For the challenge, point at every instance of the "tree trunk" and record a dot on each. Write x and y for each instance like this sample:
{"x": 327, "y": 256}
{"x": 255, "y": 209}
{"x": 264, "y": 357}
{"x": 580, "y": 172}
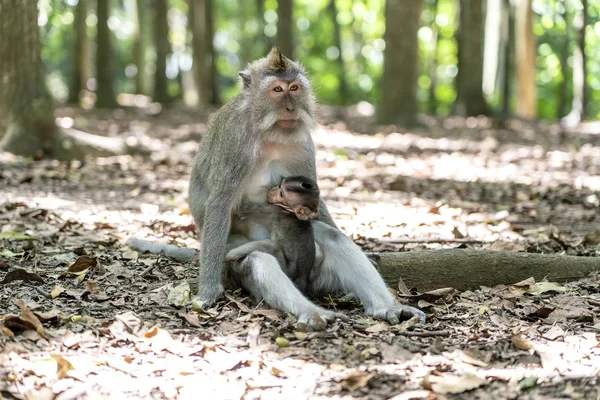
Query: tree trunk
{"x": 285, "y": 27}
{"x": 200, "y": 46}
{"x": 509, "y": 47}
{"x": 105, "y": 91}
{"x": 81, "y": 54}
{"x": 215, "y": 98}
{"x": 337, "y": 42}
{"x": 470, "y": 269}
{"x": 433, "y": 65}
{"x": 492, "y": 48}
{"x": 26, "y": 107}
{"x": 579, "y": 105}
{"x": 144, "y": 33}
{"x": 469, "y": 81}
{"x": 246, "y": 41}
{"x": 401, "y": 65}
{"x": 563, "y": 57}
{"x": 526, "y": 54}
{"x": 264, "y": 39}
{"x": 161, "y": 93}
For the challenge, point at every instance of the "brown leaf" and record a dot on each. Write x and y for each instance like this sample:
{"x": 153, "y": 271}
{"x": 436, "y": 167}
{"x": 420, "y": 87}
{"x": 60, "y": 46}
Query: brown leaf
{"x": 20, "y": 274}
{"x": 63, "y": 366}
{"x": 272, "y": 314}
{"x": 521, "y": 342}
{"x": 357, "y": 380}
{"x": 81, "y": 266}
{"x": 94, "y": 289}
{"x": 29, "y": 316}
{"x": 454, "y": 384}
{"x": 56, "y": 291}
{"x": 191, "y": 318}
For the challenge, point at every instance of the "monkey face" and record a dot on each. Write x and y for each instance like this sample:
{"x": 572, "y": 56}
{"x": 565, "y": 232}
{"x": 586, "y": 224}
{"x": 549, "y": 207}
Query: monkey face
{"x": 285, "y": 95}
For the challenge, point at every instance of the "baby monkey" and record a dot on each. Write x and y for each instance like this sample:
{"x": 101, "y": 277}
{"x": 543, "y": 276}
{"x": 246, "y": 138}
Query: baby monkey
{"x": 287, "y": 216}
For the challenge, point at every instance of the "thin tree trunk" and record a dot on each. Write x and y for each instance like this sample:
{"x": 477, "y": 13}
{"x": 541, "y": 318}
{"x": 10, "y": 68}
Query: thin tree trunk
{"x": 526, "y": 53}
{"x": 492, "y": 47}
{"x": 200, "y": 51}
{"x": 469, "y": 81}
{"x": 26, "y": 108}
{"x": 433, "y": 65}
{"x": 105, "y": 92}
{"x": 144, "y": 33}
{"x": 260, "y": 12}
{"x": 81, "y": 53}
{"x": 509, "y": 48}
{"x": 215, "y": 98}
{"x": 161, "y": 93}
{"x": 245, "y": 39}
{"x": 337, "y": 42}
{"x": 285, "y": 25}
{"x": 401, "y": 65}
{"x": 563, "y": 90}
{"x": 579, "y": 105}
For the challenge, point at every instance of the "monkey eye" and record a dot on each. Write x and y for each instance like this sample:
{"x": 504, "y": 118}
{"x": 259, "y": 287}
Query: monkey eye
{"x": 293, "y": 88}
{"x": 278, "y": 89}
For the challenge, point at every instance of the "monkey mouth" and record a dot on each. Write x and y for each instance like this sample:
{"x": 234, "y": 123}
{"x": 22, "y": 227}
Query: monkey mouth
{"x": 287, "y": 123}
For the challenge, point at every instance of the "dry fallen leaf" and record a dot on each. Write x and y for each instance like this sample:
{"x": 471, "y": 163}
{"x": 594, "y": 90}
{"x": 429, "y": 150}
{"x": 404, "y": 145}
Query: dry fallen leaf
{"x": 62, "y": 366}
{"x": 29, "y": 316}
{"x": 521, "y": 342}
{"x": 81, "y": 266}
{"x": 56, "y": 291}
{"x": 357, "y": 380}
{"x": 452, "y": 384}
{"x": 379, "y": 327}
{"x": 20, "y": 274}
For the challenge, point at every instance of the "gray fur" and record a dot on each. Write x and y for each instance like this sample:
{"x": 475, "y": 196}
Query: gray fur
{"x": 243, "y": 154}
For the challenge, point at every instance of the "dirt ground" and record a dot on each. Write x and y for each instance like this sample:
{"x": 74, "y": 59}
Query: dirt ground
{"x": 84, "y": 316}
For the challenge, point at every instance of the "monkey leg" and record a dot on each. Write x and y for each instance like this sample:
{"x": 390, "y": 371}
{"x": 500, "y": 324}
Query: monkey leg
{"x": 262, "y": 276}
{"x": 265, "y": 246}
{"x": 346, "y": 268}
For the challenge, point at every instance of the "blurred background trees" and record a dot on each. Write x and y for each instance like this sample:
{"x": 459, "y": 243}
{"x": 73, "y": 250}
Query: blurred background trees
{"x": 526, "y": 58}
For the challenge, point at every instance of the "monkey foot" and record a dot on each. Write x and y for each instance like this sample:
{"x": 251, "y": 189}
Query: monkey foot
{"x": 394, "y": 313}
{"x": 207, "y": 298}
{"x": 318, "y": 318}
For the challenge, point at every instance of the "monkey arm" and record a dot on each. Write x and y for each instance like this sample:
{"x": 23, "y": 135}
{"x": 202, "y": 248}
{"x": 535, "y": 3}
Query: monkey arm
{"x": 215, "y": 230}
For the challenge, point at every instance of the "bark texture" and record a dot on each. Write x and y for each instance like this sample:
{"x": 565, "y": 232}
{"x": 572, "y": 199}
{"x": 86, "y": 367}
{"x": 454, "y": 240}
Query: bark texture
{"x": 469, "y": 269}
{"x": 526, "y": 52}
{"x": 285, "y": 27}
{"x": 400, "y": 72}
{"x": 469, "y": 81}
{"x": 105, "y": 92}
{"x": 81, "y": 53}
{"x": 161, "y": 93}
{"x": 200, "y": 37}
{"x": 26, "y": 108}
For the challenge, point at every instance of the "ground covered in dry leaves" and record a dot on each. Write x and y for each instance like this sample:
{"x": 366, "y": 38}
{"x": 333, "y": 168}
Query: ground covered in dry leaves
{"x": 84, "y": 316}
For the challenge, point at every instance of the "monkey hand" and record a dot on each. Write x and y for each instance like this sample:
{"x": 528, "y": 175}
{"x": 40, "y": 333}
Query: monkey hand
{"x": 395, "y": 312}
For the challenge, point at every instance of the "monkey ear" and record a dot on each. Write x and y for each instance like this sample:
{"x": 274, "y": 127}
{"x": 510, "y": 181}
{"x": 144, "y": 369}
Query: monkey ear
{"x": 245, "y": 75}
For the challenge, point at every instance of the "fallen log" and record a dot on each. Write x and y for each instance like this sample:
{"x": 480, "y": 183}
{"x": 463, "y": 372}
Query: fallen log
{"x": 469, "y": 269}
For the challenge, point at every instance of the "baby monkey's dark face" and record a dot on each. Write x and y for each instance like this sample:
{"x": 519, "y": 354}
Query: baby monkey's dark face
{"x": 297, "y": 194}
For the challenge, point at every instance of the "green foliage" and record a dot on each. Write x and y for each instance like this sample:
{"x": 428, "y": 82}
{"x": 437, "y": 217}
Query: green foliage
{"x": 242, "y": 35}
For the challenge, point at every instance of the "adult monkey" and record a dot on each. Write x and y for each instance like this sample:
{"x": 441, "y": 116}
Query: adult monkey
{"x": 259, "y": 137}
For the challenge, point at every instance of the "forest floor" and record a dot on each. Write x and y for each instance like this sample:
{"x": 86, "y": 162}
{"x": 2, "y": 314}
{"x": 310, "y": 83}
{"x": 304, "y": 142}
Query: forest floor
{"x": 84, "y": 316}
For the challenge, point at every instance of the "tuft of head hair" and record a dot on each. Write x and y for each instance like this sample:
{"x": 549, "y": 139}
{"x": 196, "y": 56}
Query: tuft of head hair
{"x": 275, "y": 63}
